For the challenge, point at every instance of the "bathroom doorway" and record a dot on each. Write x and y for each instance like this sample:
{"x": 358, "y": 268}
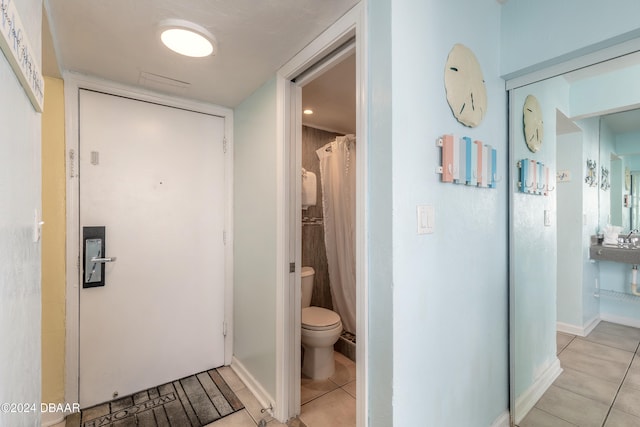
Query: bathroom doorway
{"x": 329, "y": 164}
{"x": 329, "y": 156}
{"x": 338, "y": 43}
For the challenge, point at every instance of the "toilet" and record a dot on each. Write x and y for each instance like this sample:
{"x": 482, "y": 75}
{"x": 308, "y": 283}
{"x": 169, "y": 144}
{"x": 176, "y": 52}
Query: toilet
{"x": 321, "y": 328}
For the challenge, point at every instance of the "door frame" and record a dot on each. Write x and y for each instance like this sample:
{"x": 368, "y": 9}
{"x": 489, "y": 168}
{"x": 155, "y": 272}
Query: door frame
{"x": 73, "y": 83}
{"x": 289, "y": 218}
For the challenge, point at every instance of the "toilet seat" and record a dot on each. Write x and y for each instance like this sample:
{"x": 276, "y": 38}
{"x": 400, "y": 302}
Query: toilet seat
{"x": 319, "y": 319}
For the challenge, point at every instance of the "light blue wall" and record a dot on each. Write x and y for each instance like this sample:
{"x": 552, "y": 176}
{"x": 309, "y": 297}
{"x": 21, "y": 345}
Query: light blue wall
{"x": 450, "y": 288}
{"x": 438, "y": 303}
{"x": 590, "y": 199}
{"x": 629, "y": 143}
{"x": 634, "y": 163}
{"x": 578, "y": 220}
{"x": 617, "y": 90}
{"x": 20, "y": 194}
{"x": 254, "y": 219}
{"x": 380, "y": 216}
{"x": 534, "y": 266}
{"x": 537, "y": 34}
{"x": 569, "y": 243}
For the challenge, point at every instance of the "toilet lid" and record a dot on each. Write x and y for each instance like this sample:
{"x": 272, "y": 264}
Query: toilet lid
{"x": 318, "y": 318}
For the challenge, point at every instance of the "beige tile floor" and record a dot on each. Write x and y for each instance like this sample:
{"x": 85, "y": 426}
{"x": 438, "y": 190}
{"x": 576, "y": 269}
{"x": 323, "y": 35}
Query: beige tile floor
{"x": 600, "y": 382}
{"x": 331, "y": 402}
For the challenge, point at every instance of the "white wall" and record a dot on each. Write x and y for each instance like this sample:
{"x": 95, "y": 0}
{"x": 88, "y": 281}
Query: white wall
{"x": 20, "y": 190}
{"x": 450, "y": 353}
{"x": 254, "y": 219}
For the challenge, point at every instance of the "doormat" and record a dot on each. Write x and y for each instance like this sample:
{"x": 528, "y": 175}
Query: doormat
{"x": 195, "y": 401}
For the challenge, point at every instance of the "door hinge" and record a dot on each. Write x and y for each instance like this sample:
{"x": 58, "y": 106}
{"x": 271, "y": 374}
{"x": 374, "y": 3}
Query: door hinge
{"x": 224, "y": 328}
{"x": 224, "y": 145}
{"x": 292, "y": 267}
{"x": 72, "y": 159}
{"x": 78, "y": 264}
{"x": 224, "y": 237}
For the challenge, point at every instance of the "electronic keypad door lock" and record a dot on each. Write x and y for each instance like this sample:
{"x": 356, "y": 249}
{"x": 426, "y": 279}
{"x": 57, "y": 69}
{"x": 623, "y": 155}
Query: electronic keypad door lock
{"x": 94, "y": 257}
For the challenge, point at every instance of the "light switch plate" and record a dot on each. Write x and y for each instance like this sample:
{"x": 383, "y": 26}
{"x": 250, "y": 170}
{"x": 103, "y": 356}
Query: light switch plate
{"x": 426, "y": 219}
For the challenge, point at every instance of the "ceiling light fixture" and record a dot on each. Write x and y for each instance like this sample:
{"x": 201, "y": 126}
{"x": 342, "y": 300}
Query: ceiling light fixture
{"x": 308, "y": 111}
{"x": 187, "y": 38}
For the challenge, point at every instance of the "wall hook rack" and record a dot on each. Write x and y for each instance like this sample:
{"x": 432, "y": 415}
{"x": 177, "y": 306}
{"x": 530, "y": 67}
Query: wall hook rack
{"x": 534, "y": 178}
{"x": 467, "y": 162}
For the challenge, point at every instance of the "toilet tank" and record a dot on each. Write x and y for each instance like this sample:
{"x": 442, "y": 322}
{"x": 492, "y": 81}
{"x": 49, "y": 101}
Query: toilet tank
{"x": 307, "y": 276}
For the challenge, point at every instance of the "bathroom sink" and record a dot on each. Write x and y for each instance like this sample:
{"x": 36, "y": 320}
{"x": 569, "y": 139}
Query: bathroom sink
{"x": 629, "y": 254}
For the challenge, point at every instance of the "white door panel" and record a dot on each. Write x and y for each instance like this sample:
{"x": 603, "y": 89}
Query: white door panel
{"x": 158, "y": 188}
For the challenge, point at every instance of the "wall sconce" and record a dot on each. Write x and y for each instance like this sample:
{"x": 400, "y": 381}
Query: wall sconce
{"x": 604, "y": 179}
{"x": 592, "y": 178}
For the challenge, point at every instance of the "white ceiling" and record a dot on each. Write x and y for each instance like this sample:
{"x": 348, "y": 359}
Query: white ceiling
{"x": 332, "y": 97}
{"x": 118, "y": 40}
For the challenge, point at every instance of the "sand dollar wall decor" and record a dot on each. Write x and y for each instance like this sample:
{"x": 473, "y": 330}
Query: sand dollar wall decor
{"x": 533, "y": 124}
{"x": 464, "y": 83}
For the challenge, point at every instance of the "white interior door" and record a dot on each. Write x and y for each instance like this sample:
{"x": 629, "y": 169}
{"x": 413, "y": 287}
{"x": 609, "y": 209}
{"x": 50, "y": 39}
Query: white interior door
{"x": 154, "y": 177}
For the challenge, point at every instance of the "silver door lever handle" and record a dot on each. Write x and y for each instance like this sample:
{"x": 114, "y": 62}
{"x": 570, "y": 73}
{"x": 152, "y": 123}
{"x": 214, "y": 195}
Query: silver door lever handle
{"x": 110, "y": 259}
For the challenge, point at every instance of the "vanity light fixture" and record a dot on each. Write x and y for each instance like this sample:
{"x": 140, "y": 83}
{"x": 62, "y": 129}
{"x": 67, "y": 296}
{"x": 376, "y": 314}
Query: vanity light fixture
{"x": 308, "y": 111}
{"x": 187, "y": 38}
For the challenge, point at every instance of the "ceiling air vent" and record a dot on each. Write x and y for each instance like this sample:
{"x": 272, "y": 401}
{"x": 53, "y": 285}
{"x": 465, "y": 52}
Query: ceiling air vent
{"x": 157, "y": 81}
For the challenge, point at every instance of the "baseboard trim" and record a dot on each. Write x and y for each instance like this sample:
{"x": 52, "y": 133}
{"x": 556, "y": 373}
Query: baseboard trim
{"x": 502, "y": 420}
{"x": 52, "y": 418}
{"x": 626, "y": 321}
{"x": 581, "y": 331}
{"x": 253, "y": 385}
{"x": 527, "y": 400}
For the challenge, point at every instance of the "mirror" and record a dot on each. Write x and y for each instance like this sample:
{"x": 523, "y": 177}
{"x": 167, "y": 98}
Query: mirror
{"x": 572, "y": 317}
{"x": 631, "y": 199}
{"x": 619, "y": 136}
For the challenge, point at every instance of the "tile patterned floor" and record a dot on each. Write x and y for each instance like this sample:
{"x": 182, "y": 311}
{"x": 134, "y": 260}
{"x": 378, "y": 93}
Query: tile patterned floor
{"x": 600, "y": 382}
{"x": 331, "y": 402}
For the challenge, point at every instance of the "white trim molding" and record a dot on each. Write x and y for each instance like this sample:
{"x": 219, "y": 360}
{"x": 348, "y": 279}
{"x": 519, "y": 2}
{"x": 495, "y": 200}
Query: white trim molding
{"x": 620, "y": 320}
{"x": 51, "y": 418}
{"x": 502, "y": 420}
{"x": 527, "y": 400}
{"x": 72, "y": 84}
{"x": 254, "y": 386}
{"x": 581, "y": 331}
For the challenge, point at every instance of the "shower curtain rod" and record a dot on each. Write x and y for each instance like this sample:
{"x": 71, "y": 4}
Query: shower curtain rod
{"x": 329, "y": 146}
